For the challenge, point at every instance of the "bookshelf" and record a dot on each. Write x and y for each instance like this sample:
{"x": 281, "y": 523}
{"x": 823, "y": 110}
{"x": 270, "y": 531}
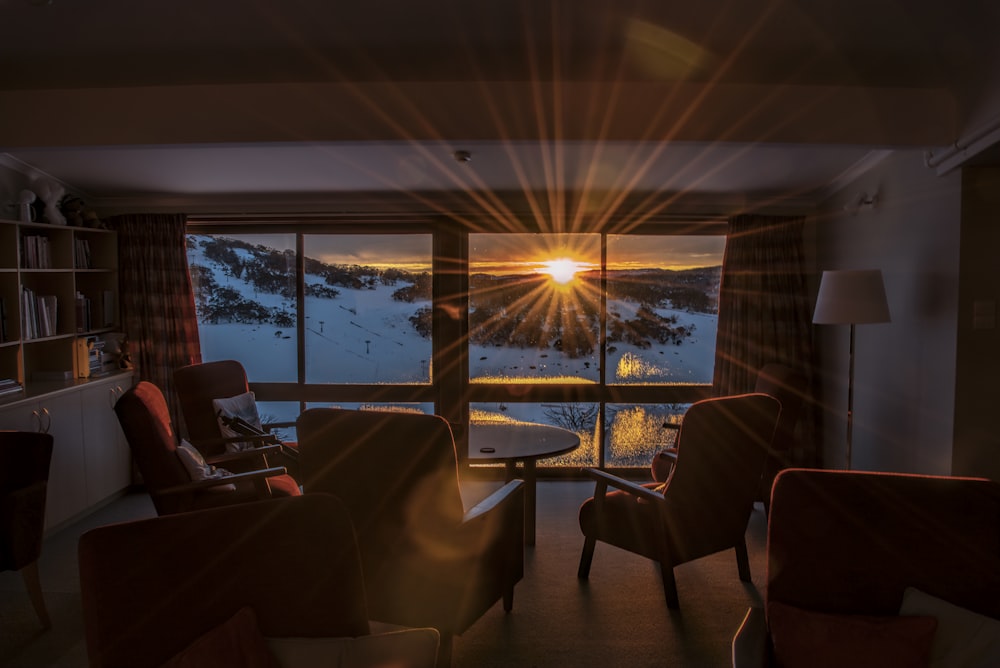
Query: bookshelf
{"x": 58, "y": 285}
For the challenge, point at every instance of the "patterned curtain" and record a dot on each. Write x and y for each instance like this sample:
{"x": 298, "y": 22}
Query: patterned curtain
{"x": 764, "y": 311}
{"x": 157, "y": 300}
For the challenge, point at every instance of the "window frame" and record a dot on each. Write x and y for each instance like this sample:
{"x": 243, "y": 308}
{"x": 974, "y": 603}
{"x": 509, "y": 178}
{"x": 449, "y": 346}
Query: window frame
{"x": 450, "y": 389}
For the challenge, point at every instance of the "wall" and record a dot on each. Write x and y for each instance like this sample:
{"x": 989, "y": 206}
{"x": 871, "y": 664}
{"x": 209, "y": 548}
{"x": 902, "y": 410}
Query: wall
{"x": 904, "y": 399}
{"x": 977, "y": 438}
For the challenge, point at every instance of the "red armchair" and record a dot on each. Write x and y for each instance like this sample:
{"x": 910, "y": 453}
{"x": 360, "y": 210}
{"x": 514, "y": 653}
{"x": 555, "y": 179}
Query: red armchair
{"x": 145, "y": 419}
{"x": 157, "y": 588}
{"x": 844, "y": 549}
{"x": 705, "y": 504}
{"x": 198, "y": 385}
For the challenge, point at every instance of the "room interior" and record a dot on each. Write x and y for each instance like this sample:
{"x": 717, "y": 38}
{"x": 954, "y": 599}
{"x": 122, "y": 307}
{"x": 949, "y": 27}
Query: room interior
{"x": 878, "y": 122}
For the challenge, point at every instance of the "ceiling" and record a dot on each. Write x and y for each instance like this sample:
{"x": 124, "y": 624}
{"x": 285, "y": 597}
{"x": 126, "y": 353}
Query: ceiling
{"x": 234, "y": 103}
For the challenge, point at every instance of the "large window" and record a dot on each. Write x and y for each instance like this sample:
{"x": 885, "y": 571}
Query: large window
{"x": 608, "y": 335}
{"x": 367, "y": 308}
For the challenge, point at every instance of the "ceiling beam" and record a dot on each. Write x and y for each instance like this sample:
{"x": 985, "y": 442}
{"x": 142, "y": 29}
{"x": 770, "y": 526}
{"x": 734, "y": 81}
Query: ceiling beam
{"x": 420, "y": 111}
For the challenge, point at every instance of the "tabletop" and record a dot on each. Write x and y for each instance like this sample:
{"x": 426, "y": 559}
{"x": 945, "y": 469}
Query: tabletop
{"x": 519, "y": 441}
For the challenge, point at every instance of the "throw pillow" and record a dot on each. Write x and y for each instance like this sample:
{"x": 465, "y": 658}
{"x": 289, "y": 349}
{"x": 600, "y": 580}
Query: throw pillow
{"x": 242, "y": 406}
{"x": 198, "y": 468}
{"x": 236, "y": 642}
{"x": 824, "y": 640}
{"x": 410, "y": 648}
{"x": 964, "y": 639}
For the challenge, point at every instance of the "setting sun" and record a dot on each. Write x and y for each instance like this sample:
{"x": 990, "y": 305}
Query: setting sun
{"x": 562, "y": 270}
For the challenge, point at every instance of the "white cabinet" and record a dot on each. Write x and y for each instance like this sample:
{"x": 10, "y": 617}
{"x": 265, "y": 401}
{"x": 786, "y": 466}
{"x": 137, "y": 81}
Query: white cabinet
{"x": 90, "y": 458}
{"x": 67, "y": 487}
{"x": 108, "y": 460}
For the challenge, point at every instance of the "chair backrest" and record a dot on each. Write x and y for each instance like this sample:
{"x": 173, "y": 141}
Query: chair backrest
{"x": 145, "y": 420}
{"x": 396, "y": 472}
{"x": 721, "y": 449}
{"x": 197, "y": 385}
{"x": 151, "y": 587}
{"x": 24, "y": 471}
{"x": 850, "y": 542}
{"x": 789, "y": 387}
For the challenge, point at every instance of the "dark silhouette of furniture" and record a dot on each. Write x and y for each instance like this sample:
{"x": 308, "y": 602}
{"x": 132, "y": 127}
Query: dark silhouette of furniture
{"x": 705, "y": 504}
{"x": 145, "y": 419}
{"x": 197, "y": 385}
{"x": 850, "y": 543}
{"x": 151, "y": 587}
{"x": 427, "y": 562}
{"x": 24, "y": 472}
{"x": 788, "y": 386}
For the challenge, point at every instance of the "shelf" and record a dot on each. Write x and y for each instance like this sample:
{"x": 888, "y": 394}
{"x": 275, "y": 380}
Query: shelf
{"x": 71, "y": 271}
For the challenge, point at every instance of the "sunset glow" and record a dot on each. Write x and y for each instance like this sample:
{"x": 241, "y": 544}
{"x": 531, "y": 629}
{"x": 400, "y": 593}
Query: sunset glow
{"x": 562, "y": 270}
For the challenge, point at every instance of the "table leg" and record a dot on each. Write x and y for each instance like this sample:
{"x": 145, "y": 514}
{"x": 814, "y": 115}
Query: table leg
{"x": 530, "y": 487}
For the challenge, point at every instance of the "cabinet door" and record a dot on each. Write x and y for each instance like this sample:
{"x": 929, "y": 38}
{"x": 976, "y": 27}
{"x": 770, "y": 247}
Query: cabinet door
{"x": 22, "y": 417}
{"x": 109, "y": 464}
{"x": 67, "y": 475}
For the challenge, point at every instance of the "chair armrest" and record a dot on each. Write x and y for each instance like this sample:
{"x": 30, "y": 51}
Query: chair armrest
{"x": 750, "y": 641}
{"x": 277, "y": 425}
{"x": 253, "y": 453}
{"x": 269, "y": 439}
{"x": 499, "y": 498}
{"x": 627, "y": 486}
{"x": 196, "y": 485}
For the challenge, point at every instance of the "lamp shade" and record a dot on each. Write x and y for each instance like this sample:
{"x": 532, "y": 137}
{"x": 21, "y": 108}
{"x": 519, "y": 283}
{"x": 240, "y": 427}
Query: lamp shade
{"x": 851, "y": 297}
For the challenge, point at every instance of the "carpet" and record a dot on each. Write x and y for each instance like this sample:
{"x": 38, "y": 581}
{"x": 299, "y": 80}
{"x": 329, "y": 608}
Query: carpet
{"x": 618, "y": 617}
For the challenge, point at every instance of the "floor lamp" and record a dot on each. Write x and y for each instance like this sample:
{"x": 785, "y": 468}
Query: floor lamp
{"x": 851, "y": 297}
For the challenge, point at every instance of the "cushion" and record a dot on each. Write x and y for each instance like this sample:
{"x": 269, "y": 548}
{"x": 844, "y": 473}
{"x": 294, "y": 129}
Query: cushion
{"x": 411, "y": 648}
{"x": 964, "y": 638}
{"x": 824, "y": 640}
{"x": 198, "y": 468}
{"x": 242, "y": 406}
{"x": 236, "y": 642}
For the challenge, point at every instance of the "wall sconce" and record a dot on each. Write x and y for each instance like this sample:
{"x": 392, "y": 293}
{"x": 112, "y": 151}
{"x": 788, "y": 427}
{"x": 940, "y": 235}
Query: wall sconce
{"x": 862, "y": 201}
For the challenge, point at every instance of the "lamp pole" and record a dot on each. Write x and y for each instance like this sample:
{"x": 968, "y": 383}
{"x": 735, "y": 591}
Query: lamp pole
{"x": 851, "y": 297}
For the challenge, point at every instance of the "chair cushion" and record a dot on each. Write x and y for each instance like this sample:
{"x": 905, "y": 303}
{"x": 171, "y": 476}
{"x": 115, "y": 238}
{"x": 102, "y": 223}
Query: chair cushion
{"x": 242, "y": 406}
{"x": 410, "y": 648}
{"x": 823, "y": 640}
{"x": 198, "y": 468}
{"x": 236, "y": 642}
{"x": 963, "y": 638}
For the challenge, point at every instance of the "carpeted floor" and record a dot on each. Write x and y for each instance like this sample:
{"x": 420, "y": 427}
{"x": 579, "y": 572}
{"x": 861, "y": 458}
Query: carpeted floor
{"x": 617, "y": 618}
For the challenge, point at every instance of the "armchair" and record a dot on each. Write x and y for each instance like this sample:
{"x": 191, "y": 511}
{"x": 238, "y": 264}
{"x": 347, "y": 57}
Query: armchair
{"x": 158, "y": 588}
{"x": 198, "y": 386}
{"x": 427, "y": 561}
{"x": 849, "y": 549}
{"x": 145, "y": 420}
{"x": 786, "y": 385}
{"x": 24, "y": 472}
{"x": 705, "y": 504}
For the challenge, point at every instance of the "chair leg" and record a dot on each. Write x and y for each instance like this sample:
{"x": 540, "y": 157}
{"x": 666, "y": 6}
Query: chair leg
{"x": 669, "y": 585}
{"x": 743, "y": 560}
{"x": 508, "y": 597}
{"x": 444, "y": 650}
{"x": 586, "y": 557}
{"x": 34, "y": 586}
